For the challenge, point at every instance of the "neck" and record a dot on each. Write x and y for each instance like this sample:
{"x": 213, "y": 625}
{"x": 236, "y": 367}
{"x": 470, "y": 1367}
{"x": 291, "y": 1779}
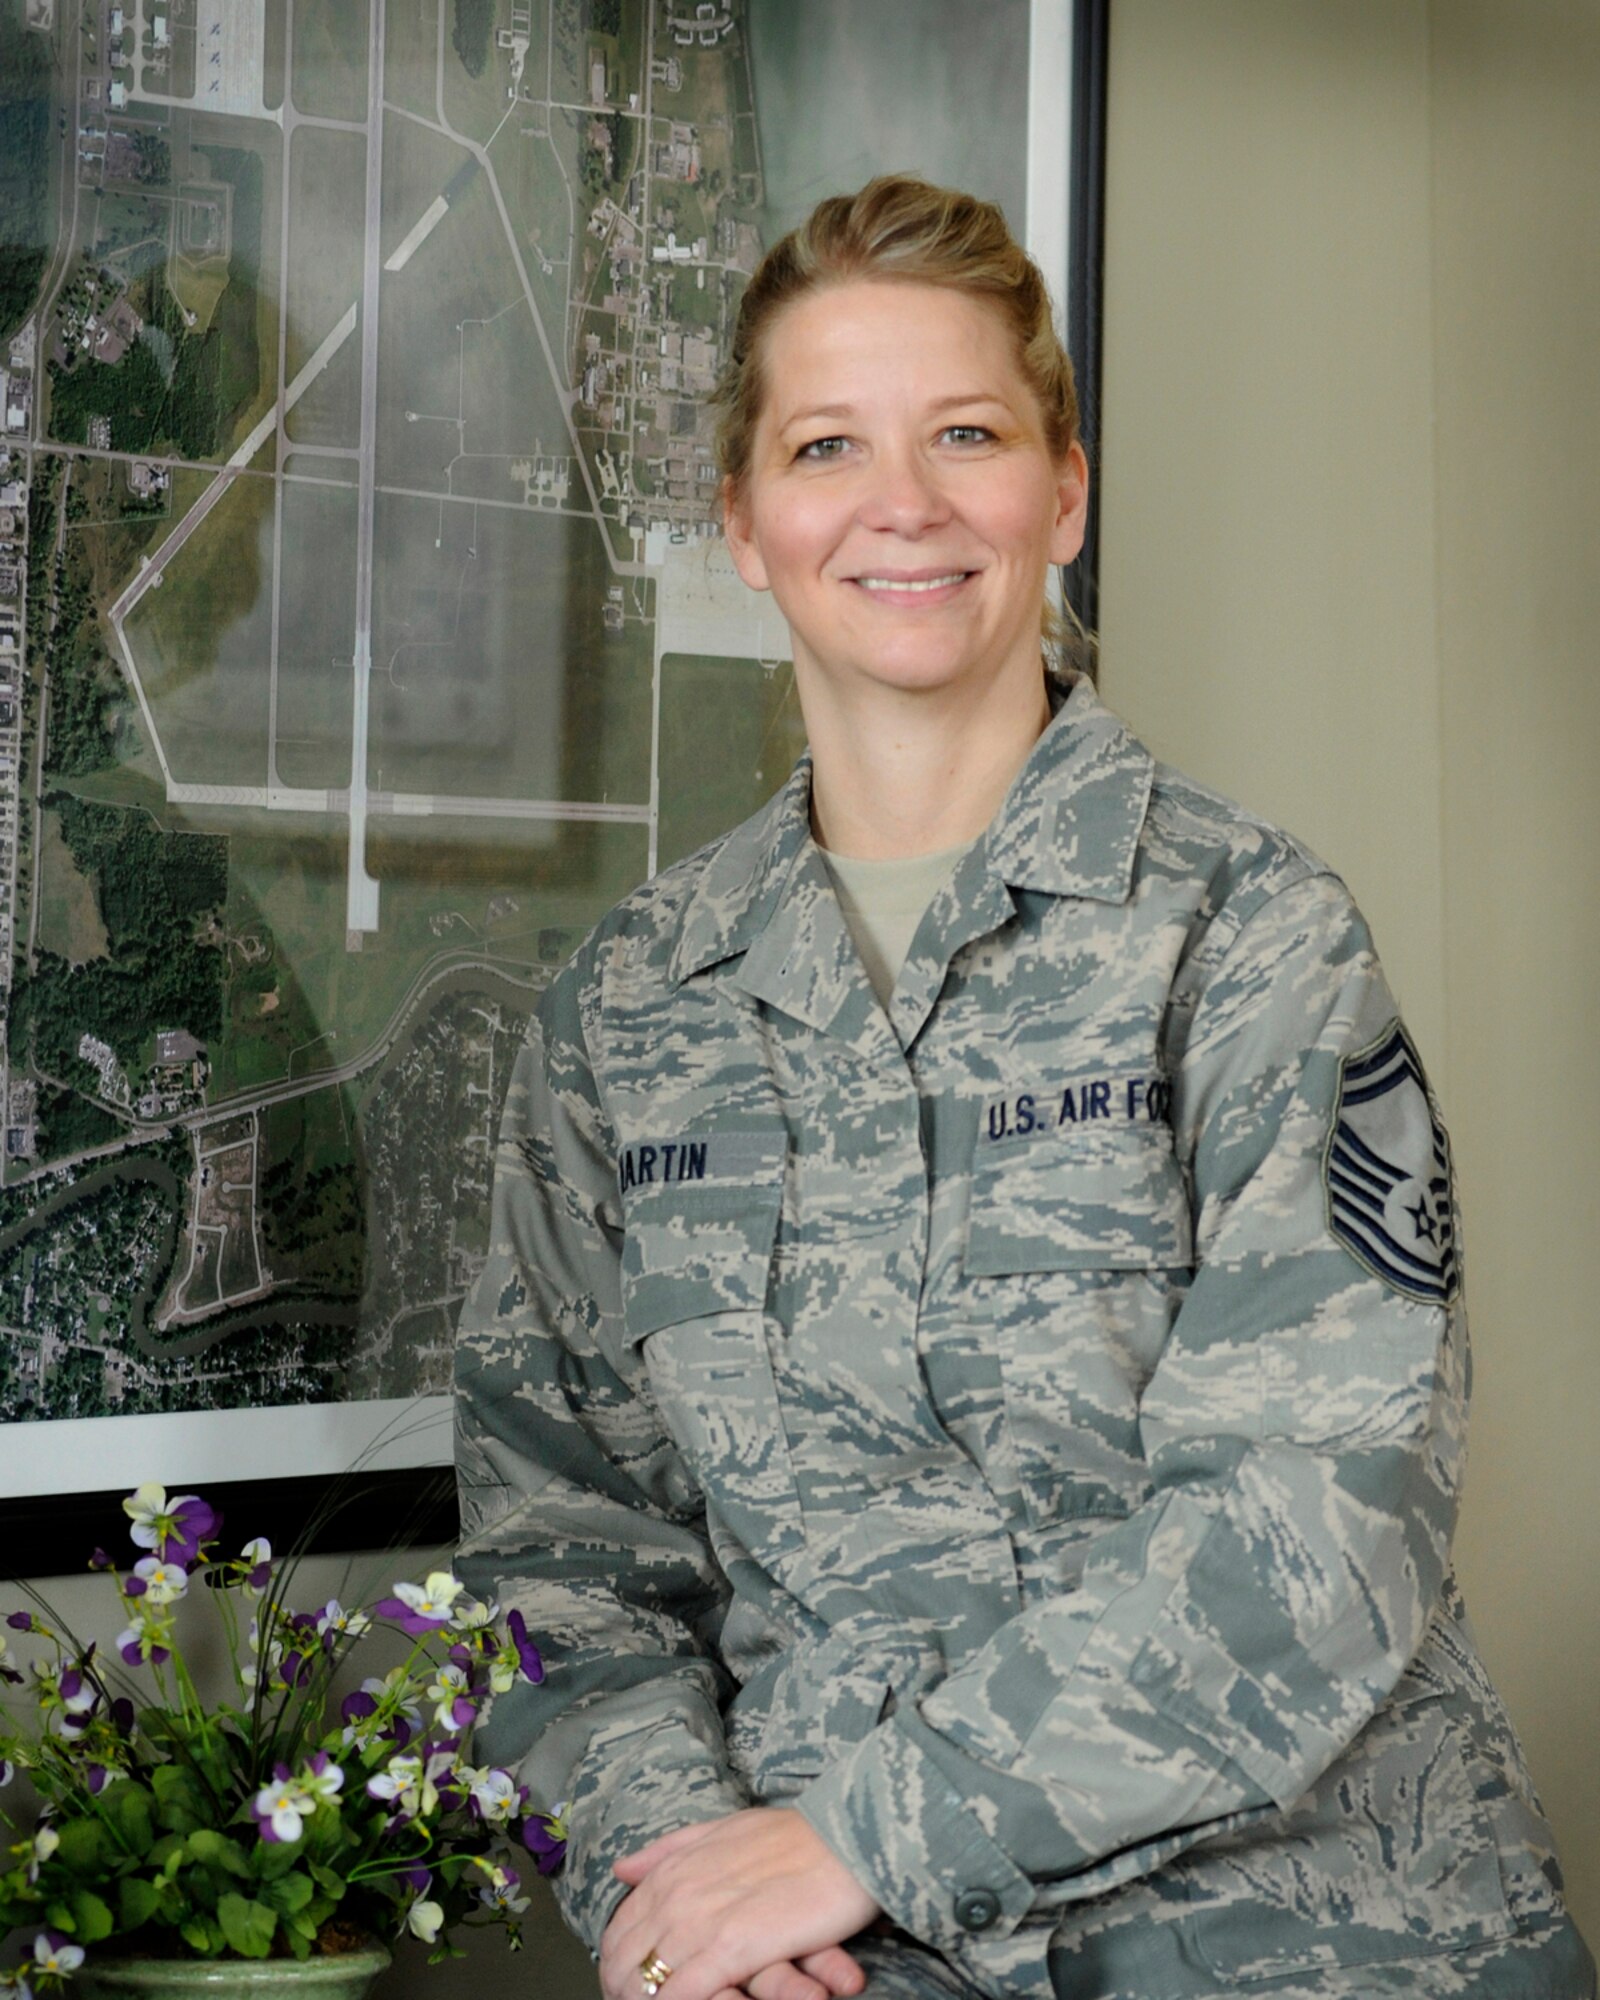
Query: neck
{"x": 899, "y": 772}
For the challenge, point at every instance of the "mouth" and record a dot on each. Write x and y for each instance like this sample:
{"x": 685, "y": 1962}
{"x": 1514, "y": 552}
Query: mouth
{"x": 926, "y": 585}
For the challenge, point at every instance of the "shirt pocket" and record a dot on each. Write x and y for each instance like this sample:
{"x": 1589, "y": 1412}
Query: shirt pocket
{"x": 1107, "y": 1200}
{"x": 1078, "y": 1253}
{"x": 696, "y": 1277}
{"x": 1388, "y": 1857}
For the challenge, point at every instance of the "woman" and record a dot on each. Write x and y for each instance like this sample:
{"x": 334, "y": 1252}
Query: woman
{"x": 971, "y": 1371}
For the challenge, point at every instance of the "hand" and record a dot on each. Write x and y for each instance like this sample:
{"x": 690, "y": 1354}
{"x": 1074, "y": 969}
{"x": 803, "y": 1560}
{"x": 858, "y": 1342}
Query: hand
{"x": 756, "y": 1902}
{"x": 821, "y": 1975}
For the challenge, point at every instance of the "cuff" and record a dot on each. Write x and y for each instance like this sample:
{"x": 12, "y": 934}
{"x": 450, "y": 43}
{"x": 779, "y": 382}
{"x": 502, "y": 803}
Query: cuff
{"x": 908, "y": 1836}
{"x": 672, "y": 1783}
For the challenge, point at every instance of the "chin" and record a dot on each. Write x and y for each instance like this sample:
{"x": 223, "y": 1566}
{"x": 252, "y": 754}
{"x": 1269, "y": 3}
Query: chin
{"x": 917, "y": 674}
{"x": 928, "y": 667}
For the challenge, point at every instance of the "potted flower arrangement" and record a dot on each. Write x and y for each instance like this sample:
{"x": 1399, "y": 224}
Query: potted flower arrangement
{"x": 288, "y": 1832}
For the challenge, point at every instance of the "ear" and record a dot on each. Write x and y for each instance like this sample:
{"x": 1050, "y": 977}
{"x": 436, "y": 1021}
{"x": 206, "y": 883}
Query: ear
{"x": 1072, "y": 506}
{"x": 738, "y": 533}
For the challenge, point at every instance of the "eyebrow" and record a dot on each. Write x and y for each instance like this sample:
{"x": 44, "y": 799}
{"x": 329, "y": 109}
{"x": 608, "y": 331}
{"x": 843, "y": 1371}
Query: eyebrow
{"x": 966, "y": 400}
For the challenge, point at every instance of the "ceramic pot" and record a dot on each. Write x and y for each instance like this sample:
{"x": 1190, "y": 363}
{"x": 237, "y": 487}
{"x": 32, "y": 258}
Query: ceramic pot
{"x": 344, "y": 1975}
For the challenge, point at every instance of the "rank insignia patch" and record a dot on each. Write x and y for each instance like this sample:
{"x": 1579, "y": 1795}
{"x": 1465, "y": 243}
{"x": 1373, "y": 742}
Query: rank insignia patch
{"x": 1387, "y": 1172}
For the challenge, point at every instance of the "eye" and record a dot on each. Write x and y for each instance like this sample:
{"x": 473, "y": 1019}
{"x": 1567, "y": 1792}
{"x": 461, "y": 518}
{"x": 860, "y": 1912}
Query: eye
{"x": 823, "y": 447}
{"x": 968, "y": 434}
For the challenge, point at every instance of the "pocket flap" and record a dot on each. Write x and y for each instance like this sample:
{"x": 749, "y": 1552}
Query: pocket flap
{"x": 1106, "y": 1200}
{"x": 700, "y": 1244}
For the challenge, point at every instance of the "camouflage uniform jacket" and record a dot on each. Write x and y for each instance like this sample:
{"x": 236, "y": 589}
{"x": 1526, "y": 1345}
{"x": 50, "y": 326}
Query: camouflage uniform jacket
{"x": 1021, "y": 1430}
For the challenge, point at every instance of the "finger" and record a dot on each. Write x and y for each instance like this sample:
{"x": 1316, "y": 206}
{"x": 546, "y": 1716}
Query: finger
{"x": 622, "y": 1977}
{"x": 784, "y": 1981}
{"x": 835, "y": 1969}
{"x": 629, "y": 1939}
{"x": 635, "y": 1866}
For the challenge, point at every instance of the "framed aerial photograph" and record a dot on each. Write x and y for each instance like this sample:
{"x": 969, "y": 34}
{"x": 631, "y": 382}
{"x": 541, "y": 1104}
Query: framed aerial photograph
{"x": 365, "y": 633}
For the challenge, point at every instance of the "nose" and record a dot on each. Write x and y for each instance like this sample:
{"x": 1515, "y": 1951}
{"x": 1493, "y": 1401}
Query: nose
{"x": 903, "y": 494}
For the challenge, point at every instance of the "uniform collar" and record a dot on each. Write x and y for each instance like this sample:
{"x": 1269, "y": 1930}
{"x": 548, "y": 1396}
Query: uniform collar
{"x": 1071, "y": 822}
{"x": 1069, "y": 826}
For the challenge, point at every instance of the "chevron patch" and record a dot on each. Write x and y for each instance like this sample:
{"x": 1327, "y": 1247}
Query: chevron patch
{"x": 1387, "y": 1172}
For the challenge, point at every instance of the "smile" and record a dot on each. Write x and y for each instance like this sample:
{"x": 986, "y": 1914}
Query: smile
{"x": 905, "y": 585}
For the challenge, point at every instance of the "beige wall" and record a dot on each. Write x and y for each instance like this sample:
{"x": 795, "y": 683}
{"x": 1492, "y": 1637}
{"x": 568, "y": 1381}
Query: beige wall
{"x": 1351, "y": 575}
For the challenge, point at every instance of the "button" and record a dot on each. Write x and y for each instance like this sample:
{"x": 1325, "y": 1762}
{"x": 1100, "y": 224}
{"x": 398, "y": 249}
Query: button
{"x": 976, "y": 1909}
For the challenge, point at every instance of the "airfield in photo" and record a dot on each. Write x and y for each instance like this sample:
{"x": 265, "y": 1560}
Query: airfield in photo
{"x": 382, "y": 632}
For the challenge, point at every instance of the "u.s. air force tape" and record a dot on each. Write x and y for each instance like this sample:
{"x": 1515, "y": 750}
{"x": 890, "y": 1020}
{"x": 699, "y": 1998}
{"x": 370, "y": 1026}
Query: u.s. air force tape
{"x": 1386, "y": 1170}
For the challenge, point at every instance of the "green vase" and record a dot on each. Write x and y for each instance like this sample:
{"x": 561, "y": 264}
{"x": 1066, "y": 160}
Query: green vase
{"x": 344, "y": 1975}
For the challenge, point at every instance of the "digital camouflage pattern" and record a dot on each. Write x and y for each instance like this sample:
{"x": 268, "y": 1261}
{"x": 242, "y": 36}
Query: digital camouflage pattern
{"x": 966, "y": 1424}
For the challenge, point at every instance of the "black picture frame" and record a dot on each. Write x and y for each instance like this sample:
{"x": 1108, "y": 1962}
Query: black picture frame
{"x": 415, "y": 1506}
{"x": 1091, "y": 32}
{"x": 310, "y": 1514}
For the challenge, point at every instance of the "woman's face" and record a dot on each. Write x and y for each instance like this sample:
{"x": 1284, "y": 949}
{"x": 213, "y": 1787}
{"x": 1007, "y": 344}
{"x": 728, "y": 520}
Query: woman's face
{"x": 902, "y": 504}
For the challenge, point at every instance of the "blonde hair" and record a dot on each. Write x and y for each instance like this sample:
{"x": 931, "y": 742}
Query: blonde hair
{"x": 901, "y": 229}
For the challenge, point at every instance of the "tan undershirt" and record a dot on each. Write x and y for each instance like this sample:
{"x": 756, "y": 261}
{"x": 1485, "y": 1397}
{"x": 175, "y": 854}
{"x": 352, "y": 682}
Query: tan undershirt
{"x": 884, "y": 901}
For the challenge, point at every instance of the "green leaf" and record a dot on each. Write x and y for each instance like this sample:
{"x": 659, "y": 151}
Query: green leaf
{"x": 327, "y": 1880}
{"x": 181, "y": 1803}
{"x": 202, "y": 1887}
{"x": 248, "y": 1926}
{"x": 15, "y": 1911}
{"x": 125, "y": 1808}
{"x": 83, "y": 1847}
{"x": 91, "y": 1916}
{"x": 216, "y": 1850}
{"x": 202, "y": 1938}
{"x": 289, "y": 1893}
{"x": 137, "y": 1902}
{"x": 273, "y": 1858}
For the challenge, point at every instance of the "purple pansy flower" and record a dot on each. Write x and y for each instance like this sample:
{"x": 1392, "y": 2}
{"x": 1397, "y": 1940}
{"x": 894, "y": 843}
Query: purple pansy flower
{"x": 421, "y": 1608}
{"x": 54, "y": 1955}
{"x": 497, "y": 1797}
{"x": 544, "y": 1835}
{"x": 281, "y": 1809}
{"x": 453, "y": 1707}
{"x": 79, "y": 1697}
{"x": 136, "y": 1645}
{"x": 258, "y": 1554}
{"x": 173, "y": 1529}
{"x": 161, "y": 1581}
{"x": 528, "y": 1655}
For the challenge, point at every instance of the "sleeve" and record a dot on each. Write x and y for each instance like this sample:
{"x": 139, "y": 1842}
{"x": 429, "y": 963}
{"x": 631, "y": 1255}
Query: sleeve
{"x": 1303, "y": 1431}
{"x": 575, "y": 1507}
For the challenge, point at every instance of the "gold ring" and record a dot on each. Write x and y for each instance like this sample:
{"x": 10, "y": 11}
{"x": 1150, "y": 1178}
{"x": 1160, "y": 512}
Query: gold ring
{"x": 655, "y": 1972}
